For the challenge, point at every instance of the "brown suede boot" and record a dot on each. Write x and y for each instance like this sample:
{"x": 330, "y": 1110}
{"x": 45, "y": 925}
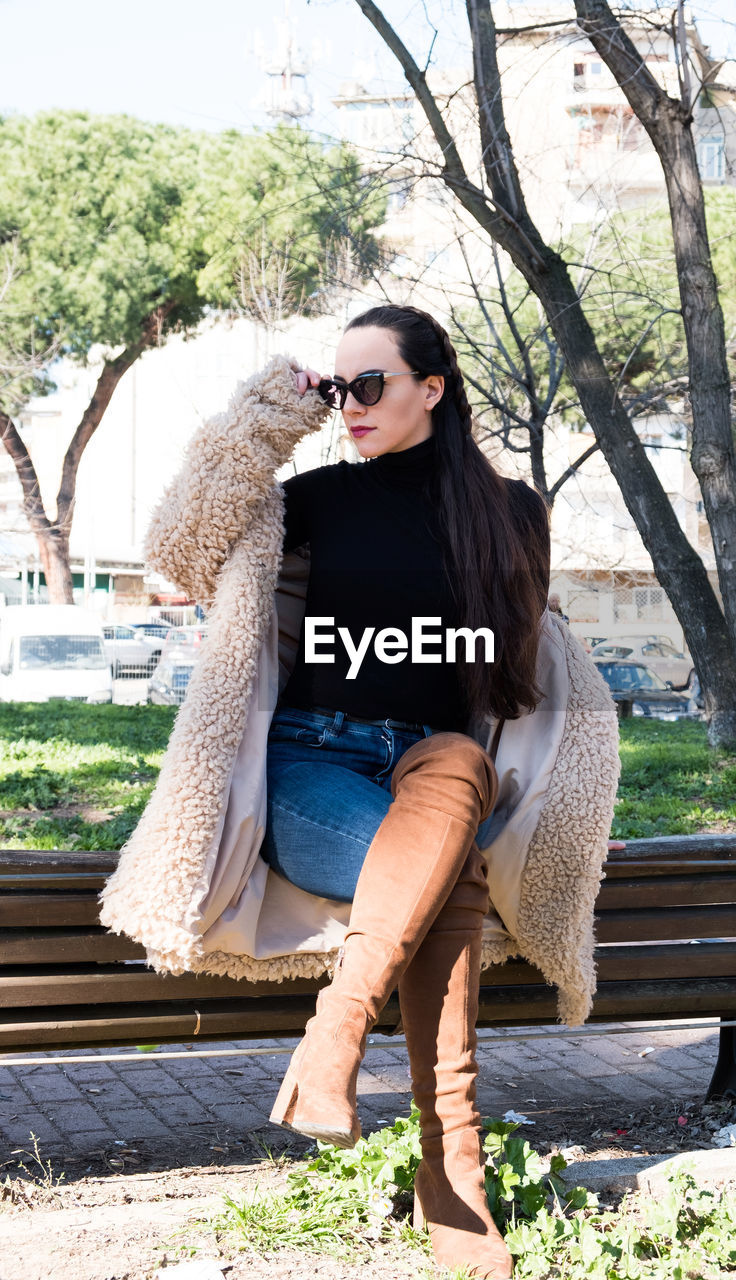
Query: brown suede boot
{"x": 443, "y": 788}
{"x": 439, "y": 1006}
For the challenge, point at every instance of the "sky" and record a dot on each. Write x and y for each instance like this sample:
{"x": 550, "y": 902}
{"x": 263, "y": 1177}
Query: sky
{"x": 200, "y": 65}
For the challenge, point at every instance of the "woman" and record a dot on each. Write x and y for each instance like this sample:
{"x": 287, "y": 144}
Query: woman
{"x": 378, "y": 835}
{"x": 377, "y": 534}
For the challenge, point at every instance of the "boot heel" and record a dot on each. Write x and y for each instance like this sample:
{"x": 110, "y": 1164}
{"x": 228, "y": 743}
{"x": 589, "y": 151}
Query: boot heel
{"x": 286, "y": 1100}
{"x": 285, "y": 1110}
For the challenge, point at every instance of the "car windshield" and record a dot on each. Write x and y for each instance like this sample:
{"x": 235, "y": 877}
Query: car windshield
{"x": 620, "y": 677}
{"x": 61, "y": 653}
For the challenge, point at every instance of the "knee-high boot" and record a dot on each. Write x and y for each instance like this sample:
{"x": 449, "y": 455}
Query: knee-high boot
{"x": 443, "y": 787}
{"x": 438, "y": 994}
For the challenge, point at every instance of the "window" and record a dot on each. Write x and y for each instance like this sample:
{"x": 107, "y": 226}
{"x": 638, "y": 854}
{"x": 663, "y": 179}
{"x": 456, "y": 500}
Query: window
{"x": 61, "y": 652}
{"x": 711, "y": 159}
{"x": 639, "y": 604}
{"x": 648, "y": 601}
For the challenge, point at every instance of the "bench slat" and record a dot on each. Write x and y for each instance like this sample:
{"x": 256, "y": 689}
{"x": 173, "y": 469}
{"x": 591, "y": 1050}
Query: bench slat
{"x": 47, "y": 948}
{"x": 670, "y": 924}
{"x": 29, "y": 909}
{"x": 30, "y": 987}
{"x": 652, "y": 852}
{"x": 250, "y": 1018}
{"x": 638, "y": 961}
{"x": 66, "y": 946}
{"x": 37, "y": 880}
{"x": 676, "y": 890}
{"x": 105, "y": 984}
{"x": 77, "y": 1025}
{"x": 620, "y": 925}
{"x": 653, "y": 868}
{"x": 103, "y": 861}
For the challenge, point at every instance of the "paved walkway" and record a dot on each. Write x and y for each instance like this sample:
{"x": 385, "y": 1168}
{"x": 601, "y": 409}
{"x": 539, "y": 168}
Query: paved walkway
{"x": 167, "y": 1112}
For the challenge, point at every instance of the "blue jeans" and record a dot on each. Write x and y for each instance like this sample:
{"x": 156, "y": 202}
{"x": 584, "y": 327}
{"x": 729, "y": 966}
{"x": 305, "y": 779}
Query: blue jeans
{"x": 329, "y": 789}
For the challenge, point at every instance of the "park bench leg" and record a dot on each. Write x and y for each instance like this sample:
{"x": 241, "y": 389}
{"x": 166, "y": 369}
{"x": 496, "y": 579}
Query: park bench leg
{"x": 723, "y": 1084}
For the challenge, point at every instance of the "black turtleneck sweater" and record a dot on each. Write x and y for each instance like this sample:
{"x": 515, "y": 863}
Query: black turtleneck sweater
{"x": 376, "y": 562}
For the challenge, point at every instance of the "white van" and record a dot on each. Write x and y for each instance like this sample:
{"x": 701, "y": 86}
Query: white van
{"x": 52, "y": 651}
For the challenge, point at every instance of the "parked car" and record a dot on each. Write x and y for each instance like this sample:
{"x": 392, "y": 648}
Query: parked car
{"x": 169, "y": 683}
{"x": 184, "y": 640}
{"x": 656, "y": 652}
{"x": 52, "y": 651}
{"x": 129, "y": 652}
{"x": 639, "y": 691}
{"x": 155, "y": 630}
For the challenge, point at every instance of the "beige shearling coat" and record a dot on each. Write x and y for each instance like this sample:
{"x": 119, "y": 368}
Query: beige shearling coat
{"x": 190, "y": 884}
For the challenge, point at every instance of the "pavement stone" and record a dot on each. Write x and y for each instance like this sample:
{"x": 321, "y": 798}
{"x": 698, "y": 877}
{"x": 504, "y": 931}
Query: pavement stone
{"x": 137, "y": 1122}
{"x": 90, "y": 1140}
{"x": 92, "y": 1104}
{"x": 710, "y": 1168}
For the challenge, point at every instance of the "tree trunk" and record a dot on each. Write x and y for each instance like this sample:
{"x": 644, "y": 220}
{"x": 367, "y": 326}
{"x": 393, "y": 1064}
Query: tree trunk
{"x": 53, "y": 536}
{"x": 54, "y": 552}
{"x": 669, "y": 125}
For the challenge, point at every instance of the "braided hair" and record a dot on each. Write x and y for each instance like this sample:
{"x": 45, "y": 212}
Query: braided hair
{"x": 496, "y": 531}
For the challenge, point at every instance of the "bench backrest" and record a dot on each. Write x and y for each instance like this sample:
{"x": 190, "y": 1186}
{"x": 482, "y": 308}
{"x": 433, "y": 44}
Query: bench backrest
{"x": 62, "y": 975}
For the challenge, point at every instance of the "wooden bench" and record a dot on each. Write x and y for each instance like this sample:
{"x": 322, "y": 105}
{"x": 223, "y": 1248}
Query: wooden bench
{"x": 666, "y": 930}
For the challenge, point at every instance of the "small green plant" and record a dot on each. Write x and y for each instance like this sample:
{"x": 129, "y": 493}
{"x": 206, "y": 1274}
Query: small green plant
{"x": 339, "y": 1202}
{"x": 343, "y": 1202}
{"x": 516, "y": 1180}
{"x": 686, "y": 1233}
{"x": 386, "y": 1161}
{"x": 41, "y": 1173}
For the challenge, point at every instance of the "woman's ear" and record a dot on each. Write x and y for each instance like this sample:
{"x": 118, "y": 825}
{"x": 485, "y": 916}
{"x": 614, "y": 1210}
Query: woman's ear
{"x": 434, "y": 387}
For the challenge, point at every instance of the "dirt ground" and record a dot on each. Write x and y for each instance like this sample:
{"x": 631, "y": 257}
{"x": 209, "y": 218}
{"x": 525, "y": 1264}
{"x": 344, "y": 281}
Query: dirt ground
{"x": 125, "y": 1213}
{"x": 127, "y": 1228}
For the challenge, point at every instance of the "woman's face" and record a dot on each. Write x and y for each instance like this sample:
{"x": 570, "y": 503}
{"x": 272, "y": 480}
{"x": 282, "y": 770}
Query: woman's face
{"x": 403, "y": 415}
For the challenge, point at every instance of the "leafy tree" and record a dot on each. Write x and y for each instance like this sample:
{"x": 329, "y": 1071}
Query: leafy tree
{"x": 285, "y": 191}
{"x": 117, "y": 233}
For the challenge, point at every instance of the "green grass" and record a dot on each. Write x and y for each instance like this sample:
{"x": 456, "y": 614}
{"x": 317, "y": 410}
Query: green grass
{"x": 58, "y": 756}
{"x": 671, "y": 782}
{"x": 62, "y": 755}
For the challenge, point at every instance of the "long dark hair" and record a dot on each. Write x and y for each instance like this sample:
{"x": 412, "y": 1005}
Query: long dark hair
{"x": 496, "y": 531}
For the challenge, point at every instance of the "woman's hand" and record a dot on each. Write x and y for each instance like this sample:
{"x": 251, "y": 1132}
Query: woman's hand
{"x": 305, "y": 379}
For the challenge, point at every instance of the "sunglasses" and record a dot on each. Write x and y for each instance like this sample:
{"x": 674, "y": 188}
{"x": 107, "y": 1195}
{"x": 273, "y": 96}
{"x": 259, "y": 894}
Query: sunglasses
{"x": 367, "y": 388}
